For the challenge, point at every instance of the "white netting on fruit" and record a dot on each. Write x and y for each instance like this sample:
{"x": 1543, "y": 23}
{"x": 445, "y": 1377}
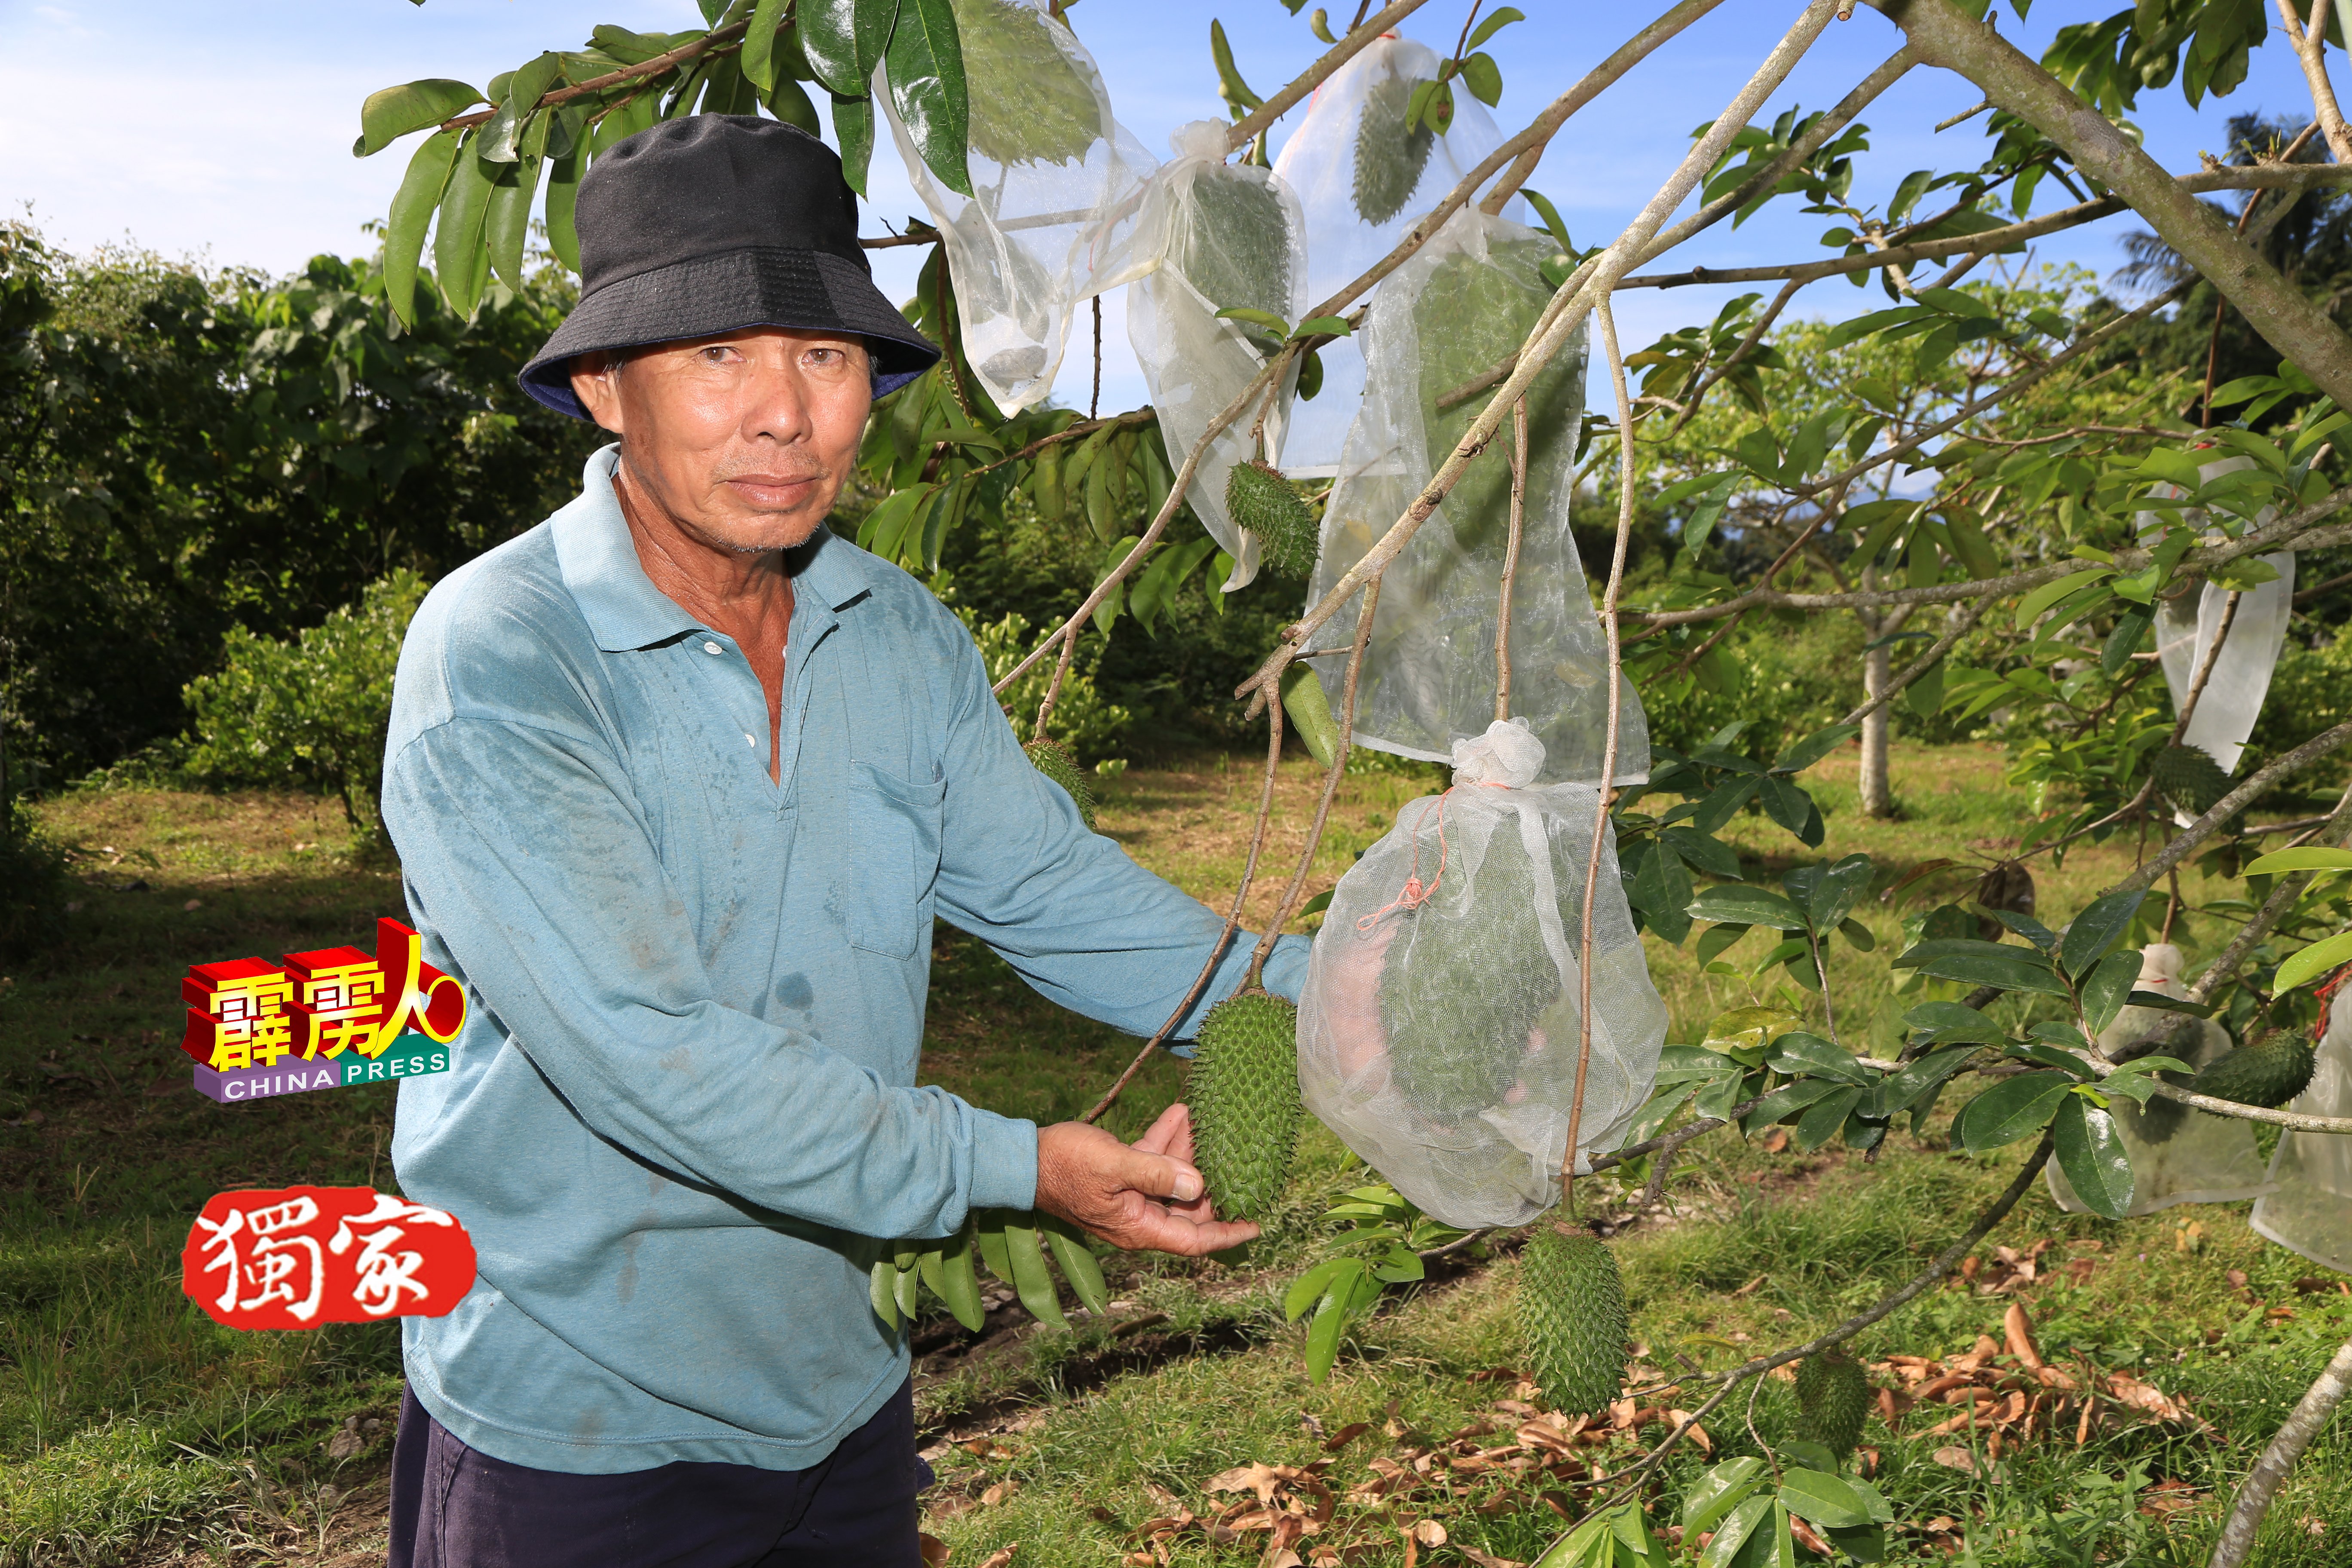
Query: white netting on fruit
{"x": 1215, "y": 237}
{"x": 1056, "y": 182}
{"x": 2178, "y": 1155}
{"x": 1362, "y": 180}
{"x": 1438, "y": 1027}
{"x": 2311, "y": 1211}
{"x": 2185, "y": 629}
{"x": 1447, "y": 316}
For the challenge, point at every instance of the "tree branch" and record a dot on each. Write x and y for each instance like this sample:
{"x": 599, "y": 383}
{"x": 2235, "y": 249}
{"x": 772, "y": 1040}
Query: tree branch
{"x": 1245, "y": 130}
{"x": 2289, "y": 321}
{"x": 2286, "y": 1446}
{"x": 2230, "y": 805}
{"x": 643, "y": 70}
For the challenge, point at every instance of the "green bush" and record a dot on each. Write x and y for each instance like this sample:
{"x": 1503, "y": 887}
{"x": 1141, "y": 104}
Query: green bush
{"x": 33, "y": 882}
{"x": 311, "y": 713}
{"x": 1084, "y": 721}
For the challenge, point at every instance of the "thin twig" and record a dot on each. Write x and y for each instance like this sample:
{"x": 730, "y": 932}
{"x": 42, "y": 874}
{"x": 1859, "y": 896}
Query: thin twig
{"x": 1247, "y": 129}
{"x": 1332, "y": 778}
{"x": 1224, "y": 938}
{"x": 2230, "y": 805}
{"x": 1511, "y": 560}
{"x": 2205, "y": 666}
{"x": 1627, "y": 470}
{"x": 1925, "y": 661}
{"x": 1093, "y": 402}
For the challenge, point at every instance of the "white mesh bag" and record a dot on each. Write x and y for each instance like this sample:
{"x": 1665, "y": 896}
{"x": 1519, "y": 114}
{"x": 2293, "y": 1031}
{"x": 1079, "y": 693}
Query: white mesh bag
{"x": 1362, "y": 181}
{"x": 1453, "y": 312}
{"x": 1438, "y": 1027}
{"x": 2311, "y": 1211}
{"x": 2178, "y": 1155}
{"x": 1219, "y": 235}
{"x": 2185, "y": 629}
{"x": 1056, "y": 184}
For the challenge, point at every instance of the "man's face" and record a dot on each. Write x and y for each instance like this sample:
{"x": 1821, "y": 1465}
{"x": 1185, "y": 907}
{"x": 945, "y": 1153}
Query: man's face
{"x": 743, "y": 439}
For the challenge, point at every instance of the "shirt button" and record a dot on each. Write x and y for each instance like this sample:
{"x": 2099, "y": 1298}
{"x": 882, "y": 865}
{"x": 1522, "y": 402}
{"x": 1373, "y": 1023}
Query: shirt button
{"x": 747, "y": 739}
{"x": 710, "y": 647}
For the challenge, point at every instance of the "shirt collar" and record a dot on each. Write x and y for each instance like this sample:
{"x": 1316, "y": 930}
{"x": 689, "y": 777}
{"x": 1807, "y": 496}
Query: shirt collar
{"x": 623, "y": 609}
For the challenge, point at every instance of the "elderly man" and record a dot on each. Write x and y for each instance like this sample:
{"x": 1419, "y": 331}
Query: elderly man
{"x": 680, "y": 781}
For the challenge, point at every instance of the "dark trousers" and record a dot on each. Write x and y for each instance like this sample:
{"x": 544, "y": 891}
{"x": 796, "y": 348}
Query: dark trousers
{"x": 455, "y": 1507}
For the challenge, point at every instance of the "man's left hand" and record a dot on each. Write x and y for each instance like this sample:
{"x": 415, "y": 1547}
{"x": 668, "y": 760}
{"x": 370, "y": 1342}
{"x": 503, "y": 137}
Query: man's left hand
{"x": 1148, "y": 1197}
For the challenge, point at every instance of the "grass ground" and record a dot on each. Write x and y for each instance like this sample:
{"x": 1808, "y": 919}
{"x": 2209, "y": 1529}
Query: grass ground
{"x": 134, "y": 1430}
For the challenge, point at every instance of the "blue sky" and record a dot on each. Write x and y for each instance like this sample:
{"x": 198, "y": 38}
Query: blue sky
{"x": 231, "y": 139}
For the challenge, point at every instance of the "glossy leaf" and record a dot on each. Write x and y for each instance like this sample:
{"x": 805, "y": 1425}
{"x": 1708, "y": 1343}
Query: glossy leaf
{"x": 2011, "y": 1110}
{"x": 562, "y": 203}
{"x": 412, "y": 211}
{"x": 1822, "y": 1499}
{"x": 1752, "y": 1514}
{"x": 1030, "y": 1279}
{"x": 853, "y": 132}
{"x": 1953, "y": 1021}
{"x": 460, "y": 262}
{"x": 395, "y": 111}
{"x": 1800, "y": 1054}
{"x": 1813, "y": 747}
{"x": 1079, "y": 1265}
{"x": 846, "y": 39}
{"x": 1902, "y": 1089}
{"x": 1748, "y": 905}
{"x": 1484, "y": 78}
{"x": 988, "y": 1235}
{"x": 2109, "y": 988}
{"x": 1984, "y": 964}
{"x": 501, "y": 138}
{"x": 2093, "y": 933}
{"x": 2312, "y": 857}
{"x": 1789, "y": 806}
{"x": 1825, "y": 1117}
{"x": 2314, "y": 961}
{"x": 881, "y": 1292}
{"x": 1716, "y": 1493}
{"x": 759, "y": 53}
{"x": 2092, "y": 1153}
{"x": 1719, "y": 808}
{"x": 960, "y": 1285}
{"x": 924, "y": 70}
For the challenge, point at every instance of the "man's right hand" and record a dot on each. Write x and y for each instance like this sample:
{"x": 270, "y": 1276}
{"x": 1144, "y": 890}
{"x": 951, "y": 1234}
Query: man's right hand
{"x": 1146, "y": 1197}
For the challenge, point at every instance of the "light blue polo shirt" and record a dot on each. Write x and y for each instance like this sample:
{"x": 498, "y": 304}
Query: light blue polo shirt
{"x": 681, "y": 1116}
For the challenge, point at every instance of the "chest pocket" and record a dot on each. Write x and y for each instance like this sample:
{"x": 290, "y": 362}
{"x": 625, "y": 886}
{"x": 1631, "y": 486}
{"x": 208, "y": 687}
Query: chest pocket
{"x": 893, "y": 858}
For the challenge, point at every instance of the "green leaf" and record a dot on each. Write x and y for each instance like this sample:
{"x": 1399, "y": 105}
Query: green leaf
{"x": 1821, "y": 1122}
{"x": 2109, "y": 988}
{"x": 1719, "y": 808}
{"x": 958, "y": 1285}
{"x": 501, "y": 138}
{"x": 1550, "y": 214}
{"x": 1822, "y": 1499}
{"x": 507, "y": 223}
{"x": 1331, "y": 1324}
{"x": 758, "y": 57}
{"x": 1320, "y": 326}
{"x": 1266, "y": 318}
{"x": 412, "y": 211}
{"x": 1790, "y": 806}
{"x": 881, "y": 1282}
{"x": 1900, "y": 1089}
{"x": 853, "y": 129}
{"x": 2028, "y": 609}
{"x": 1746, "y": 906}
{"x": 1752, "y": 1514}
{"x": 2312, "y": 962}
{"x": 1800, "y": 1054}
{"x": 1790, "y": 1099}
{"x": 1030, "y": 1279}
{"x": 1495, "y": 22}
{"x": 1712, "y": 855}
{"x": 1236, "y": 92}
{"x": 460, "y": 263}
{"x": 2011, "y": 1110}
{"x": 988, "y": 1235}
{"x": 1716, "y": 1493}
{"x": 1983, "y": 964}
{"x": 1308, "y": 709}
{"x": 392, "y": 112}
{"x": 2091, "y": 934}
{"x": 2312, "y": 858}
{"x": 2092, "y": 1153}
{"x": 1813, "y": 747}
{"x": 1484, "y": 78}
{"x": 1952, "y": 1021}
{"x": 1078, "y": 1263}
{"x": 924, "y": 70}
{"x": 1310, "y": 1288}
{"x": 844, "y": 40}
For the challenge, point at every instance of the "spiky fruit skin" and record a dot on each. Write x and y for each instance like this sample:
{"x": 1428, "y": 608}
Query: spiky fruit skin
{"x": 1245, "y": 1099}
{"x": 1832, "y": 1401}
{"x": 1389, "y": 157}
{"x": 2269, "y": 1074}
{"x": 2189, "y": 779}
{"x": 1573, "y": 1317}
{"x": 1261, "y": 500}
{"x": 1054, "y": 760}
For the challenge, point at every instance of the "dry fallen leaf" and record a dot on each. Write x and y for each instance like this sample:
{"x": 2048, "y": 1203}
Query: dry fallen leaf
{"x": 1001, "y": 1556}
{"x": 1954, "y": 1458}
{"x": 1429, "y": 1533}
{"x": 935, "y": 1552}
{"x": 998, "y": 1493}
{"x": 1485, "y": 1560}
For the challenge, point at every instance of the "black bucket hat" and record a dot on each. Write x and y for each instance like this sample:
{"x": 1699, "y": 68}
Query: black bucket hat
{"x": 712, "y": 223}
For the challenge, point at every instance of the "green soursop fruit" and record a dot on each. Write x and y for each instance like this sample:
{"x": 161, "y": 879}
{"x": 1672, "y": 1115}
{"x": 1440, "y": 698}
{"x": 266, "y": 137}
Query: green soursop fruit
{"x": 1832, "y": 1401}
{"x": 1245, "y": 1100}
{"x": 1389, "y": 157}
{"x": 1464, "y": 980}
{"x": 2189, "y": 779}
{"x": 1260, "y": 500}
{"x": 1573, "y": 1317}
{"x": 1029, "y": 103}
{"x": 1054, "y": 760}
{"x": 1237, "y": 249}
{"x": 2269, "y": 1074}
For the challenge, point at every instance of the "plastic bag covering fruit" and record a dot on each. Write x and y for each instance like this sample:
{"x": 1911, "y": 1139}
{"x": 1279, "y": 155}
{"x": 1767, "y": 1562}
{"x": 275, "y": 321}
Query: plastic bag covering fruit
{"x": 2178, "y": 1155}
{"x": 1446, "y": 316}
{"x": 2185, "y": 628}
{"x": 2311, "y": 1211}
{"x": 1058, "y": 184}
{"x": 1362, "y": 179}
{"x": 1216, "y": 238}
{"x": 1438, "y": 1027}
